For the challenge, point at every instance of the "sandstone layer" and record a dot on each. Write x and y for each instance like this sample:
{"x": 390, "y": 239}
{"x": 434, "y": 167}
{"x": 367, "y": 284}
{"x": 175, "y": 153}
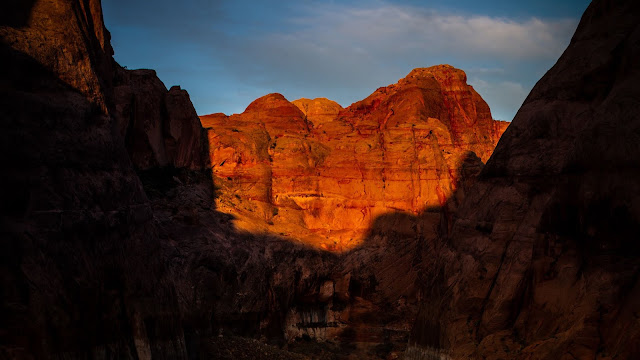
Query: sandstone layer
{"x": 321, "y": 174}
{"x": 541, "y": 259}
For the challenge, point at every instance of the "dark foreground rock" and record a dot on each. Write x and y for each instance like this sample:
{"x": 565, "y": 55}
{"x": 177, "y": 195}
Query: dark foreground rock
{"x": 541, "y": 260}
{"x": 82, "y": 271}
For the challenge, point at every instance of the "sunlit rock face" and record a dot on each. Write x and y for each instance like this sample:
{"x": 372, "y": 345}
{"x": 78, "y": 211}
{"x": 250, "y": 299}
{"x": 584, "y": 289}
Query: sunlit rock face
{"x": 318, "y": 111}
{"x": 541, "y": 260}
{"x": 319, "y": 173}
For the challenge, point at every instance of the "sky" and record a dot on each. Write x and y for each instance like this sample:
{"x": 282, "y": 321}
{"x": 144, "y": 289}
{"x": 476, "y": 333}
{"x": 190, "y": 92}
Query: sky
{"x": 228, "y": 53}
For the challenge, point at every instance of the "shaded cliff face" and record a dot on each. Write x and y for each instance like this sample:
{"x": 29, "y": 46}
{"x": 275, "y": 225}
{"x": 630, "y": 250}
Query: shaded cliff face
{"x": 321, "y": 174}
{"x": 160, "y": 127}
{"x": 67, "y": 38}
{"x": 83, "y": 272}
{"x": 542, "y": 259}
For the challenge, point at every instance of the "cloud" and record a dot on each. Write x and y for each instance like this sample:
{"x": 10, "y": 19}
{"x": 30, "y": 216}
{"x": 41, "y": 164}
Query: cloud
{"x": 232, "y": 52}
{"x": 346, "y": 52}
{"x": 406, "y": 28}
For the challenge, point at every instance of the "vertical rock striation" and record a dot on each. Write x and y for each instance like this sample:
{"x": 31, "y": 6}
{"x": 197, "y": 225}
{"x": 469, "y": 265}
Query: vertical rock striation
{"x": 323, "y": 173}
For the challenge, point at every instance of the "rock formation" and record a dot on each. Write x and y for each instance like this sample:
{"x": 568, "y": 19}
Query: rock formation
{"x": 160, "y": 127}
{"x": 322, "y": 174}
{"x": 112, "y": 247}
{"x": 318, "y": 111}
{"x": 542, "y": 259}
{"x": 83, "y": 272}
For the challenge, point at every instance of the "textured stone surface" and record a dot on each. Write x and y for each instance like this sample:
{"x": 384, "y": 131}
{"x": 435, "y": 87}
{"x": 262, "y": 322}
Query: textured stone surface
{"x": 537, "y": 259}
{"x": 542, "y": 257}
{"x": 260, "y": 285}
{"x": 322, "y": 174}
{"x": 67, "y": 38}
{"x": 82, "y": 273}
{"x": 318, "y": 111}
{"x": 160, "y": 127}
{"x": 100, "y": 261}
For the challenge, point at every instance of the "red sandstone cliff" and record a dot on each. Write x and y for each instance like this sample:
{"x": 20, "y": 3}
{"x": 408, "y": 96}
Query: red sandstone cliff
{"x": 321, "y": 174}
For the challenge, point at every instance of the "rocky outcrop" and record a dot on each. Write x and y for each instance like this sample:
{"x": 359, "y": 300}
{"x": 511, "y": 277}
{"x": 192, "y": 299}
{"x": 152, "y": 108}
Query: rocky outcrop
{"x": 542, "y": 259}
{"x": 318, "y": 111}
{"x": 113, "y": 248}
{"x": 67, "y": 38}
{"x": 82, "y": 269}
{"x": 322, "y": 174}
{"x": 160, "y": 127}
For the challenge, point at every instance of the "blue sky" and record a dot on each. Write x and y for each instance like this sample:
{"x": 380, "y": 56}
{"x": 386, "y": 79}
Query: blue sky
{"x": 228, "y": 53}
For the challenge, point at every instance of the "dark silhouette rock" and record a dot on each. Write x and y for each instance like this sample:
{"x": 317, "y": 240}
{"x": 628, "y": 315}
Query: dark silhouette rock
{"x": 82, "y": 271}
{"x": 160, "y": 127}
{"x": 542, "y": 256}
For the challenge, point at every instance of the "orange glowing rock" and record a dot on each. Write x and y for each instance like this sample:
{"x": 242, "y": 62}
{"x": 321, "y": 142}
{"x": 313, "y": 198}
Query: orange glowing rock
{"x": 321, "y": 174}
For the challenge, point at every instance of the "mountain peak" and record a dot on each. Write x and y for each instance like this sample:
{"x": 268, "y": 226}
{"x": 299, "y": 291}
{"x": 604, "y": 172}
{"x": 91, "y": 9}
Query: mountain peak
{"x": 318, "y": 110}
{"x": 444, "y": 74}
{"x": 269, "y": 101}
{"x": 322, "y": 174}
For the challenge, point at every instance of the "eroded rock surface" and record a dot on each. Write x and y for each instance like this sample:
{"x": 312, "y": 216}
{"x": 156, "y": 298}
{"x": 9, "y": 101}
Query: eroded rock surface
{"x": 160, "y": 127}
{"x": 321, "y": 174}
{"x": 542, "y": 257}
{"x": 83, "y": 273}
{"x": 108, "y": 254}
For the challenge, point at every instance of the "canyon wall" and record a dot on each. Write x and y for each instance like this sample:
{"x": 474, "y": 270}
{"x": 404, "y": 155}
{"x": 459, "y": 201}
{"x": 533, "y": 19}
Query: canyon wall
{"x": 83, "y": 272}
{"x": 114, "y": 248}
{"x": 160, "y": 127}
{"x": 321, "y": 174}
{"x": 541, "y": 259}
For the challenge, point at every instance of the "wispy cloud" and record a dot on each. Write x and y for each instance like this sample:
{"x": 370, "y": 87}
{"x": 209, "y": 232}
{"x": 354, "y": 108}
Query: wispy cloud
{"x": 337, "y": 51}
{"x": 405, "y": 28}
{"x": 324, "y": 49}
